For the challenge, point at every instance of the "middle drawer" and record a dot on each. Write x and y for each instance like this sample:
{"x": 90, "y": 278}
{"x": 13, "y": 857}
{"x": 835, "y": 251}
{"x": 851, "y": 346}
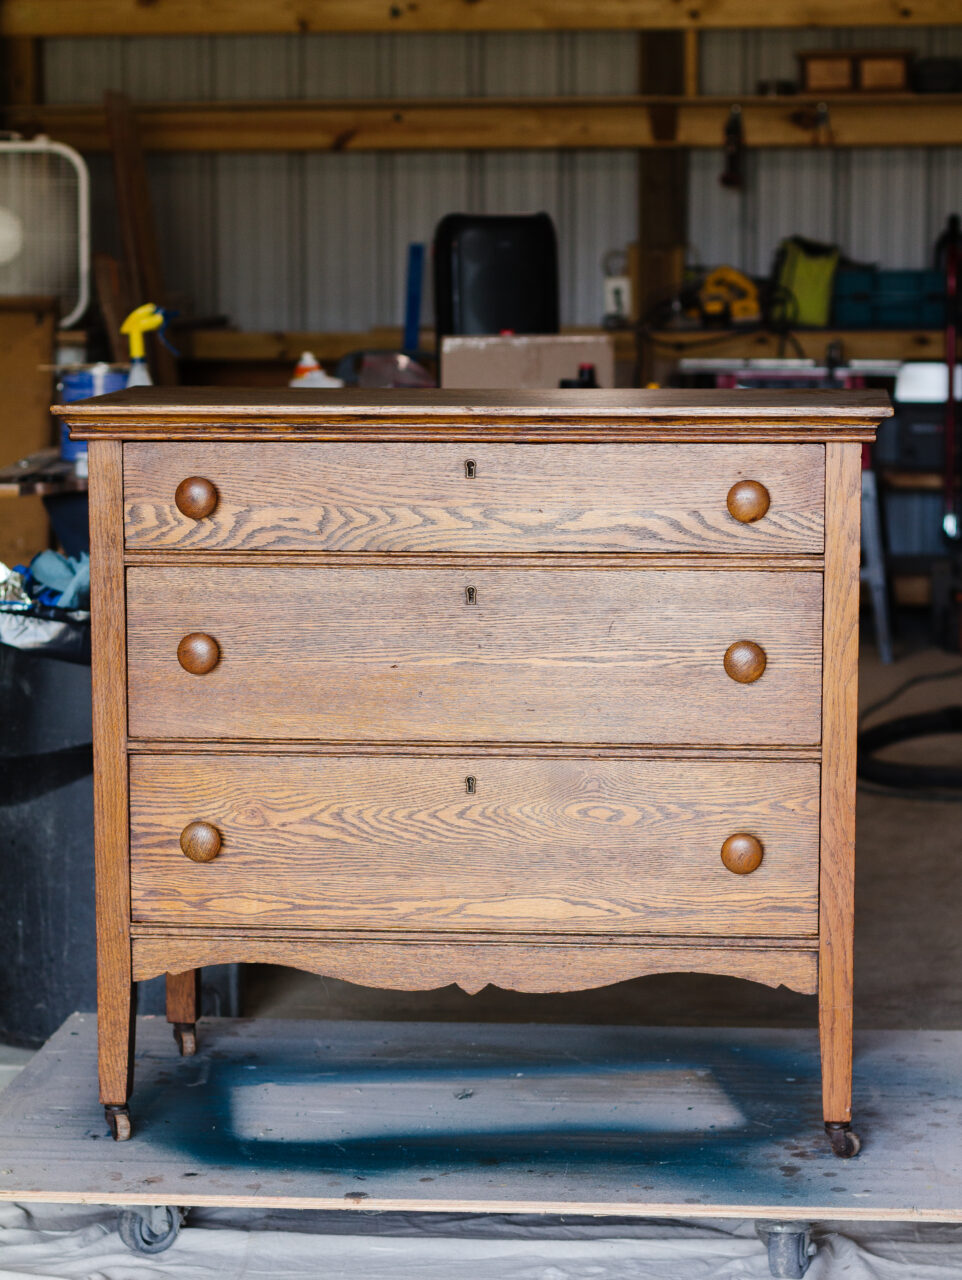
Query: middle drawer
{"x": 478, "y": 655}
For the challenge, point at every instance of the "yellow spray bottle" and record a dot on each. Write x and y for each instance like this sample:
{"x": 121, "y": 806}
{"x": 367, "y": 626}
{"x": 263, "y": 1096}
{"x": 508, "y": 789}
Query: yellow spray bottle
{"x": 141, "y": 321}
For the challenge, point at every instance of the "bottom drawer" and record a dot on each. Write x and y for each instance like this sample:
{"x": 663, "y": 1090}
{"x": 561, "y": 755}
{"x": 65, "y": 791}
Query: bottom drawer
{"x": 485, "y": 844}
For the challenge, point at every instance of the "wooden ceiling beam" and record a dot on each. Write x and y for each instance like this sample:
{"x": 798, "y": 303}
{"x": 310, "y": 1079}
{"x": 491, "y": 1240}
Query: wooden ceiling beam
{"x": 227, "y": 17}
{"x": 495, "y": 124}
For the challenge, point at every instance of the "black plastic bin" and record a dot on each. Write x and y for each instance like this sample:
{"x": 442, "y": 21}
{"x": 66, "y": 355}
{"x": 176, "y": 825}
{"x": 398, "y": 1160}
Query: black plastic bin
{"x": 47, "y": 943}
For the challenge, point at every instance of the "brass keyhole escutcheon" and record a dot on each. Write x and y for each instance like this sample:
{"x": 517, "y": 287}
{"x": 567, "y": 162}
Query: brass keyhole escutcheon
{"x": 471, "y": 784}
{"x": 470, "y": 468}
{"x": 470, "y": 595}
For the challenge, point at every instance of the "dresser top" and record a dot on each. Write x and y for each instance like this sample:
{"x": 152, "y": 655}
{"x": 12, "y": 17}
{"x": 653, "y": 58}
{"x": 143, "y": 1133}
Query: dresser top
{"x": 250, "y": 412}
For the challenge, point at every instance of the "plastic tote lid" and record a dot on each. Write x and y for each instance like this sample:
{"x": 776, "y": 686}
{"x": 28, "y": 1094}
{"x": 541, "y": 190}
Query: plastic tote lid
{"x": 926, "y": 382}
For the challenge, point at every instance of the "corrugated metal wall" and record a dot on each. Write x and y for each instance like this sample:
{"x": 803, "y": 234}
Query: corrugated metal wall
{"x": 320, "y": 241}
{"x": 879, "y": 205}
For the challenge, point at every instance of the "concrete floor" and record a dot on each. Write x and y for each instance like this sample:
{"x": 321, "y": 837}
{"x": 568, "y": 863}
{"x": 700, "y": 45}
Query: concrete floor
{"x": 12, "y": 1061}
{"x": 908, "y": 913}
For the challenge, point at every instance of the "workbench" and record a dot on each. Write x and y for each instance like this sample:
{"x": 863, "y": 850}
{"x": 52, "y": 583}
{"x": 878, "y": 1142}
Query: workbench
{"x": 661, "y": 349}
{"x": 43, "y": 474}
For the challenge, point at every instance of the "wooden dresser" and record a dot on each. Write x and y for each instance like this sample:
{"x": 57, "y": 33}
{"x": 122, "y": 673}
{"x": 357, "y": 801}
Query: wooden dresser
{"x": 546, "y": 690}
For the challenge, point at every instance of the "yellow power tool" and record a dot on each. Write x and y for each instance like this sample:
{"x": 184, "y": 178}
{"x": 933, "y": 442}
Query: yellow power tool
{"x": 728, "y": 296}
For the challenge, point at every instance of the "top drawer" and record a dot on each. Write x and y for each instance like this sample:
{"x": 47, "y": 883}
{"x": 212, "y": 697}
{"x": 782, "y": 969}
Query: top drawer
{"x": 468, "y": 497}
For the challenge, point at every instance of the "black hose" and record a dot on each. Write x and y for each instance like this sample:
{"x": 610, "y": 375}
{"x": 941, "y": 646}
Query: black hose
{"x": 909, "y": 777}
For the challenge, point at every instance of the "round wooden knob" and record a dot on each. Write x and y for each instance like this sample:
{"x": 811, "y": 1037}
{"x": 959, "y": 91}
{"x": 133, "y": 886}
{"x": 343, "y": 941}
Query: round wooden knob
{"x": 748, "y": 501}
{"x": 742, "y": 853}
{"x": 195, "y": 497}
{"x": 198, "y": 653}
{"x": 200, "y": 841}
{"x": 745, "y": 661}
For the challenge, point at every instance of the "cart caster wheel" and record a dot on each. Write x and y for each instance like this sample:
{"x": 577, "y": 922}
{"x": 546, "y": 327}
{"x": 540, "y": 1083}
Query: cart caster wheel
{"x": 845, "y": 1143}
{"x": 118, "y": 1119}
{"x": 185, "y": 1033}
{"x": 151, "y": 1231}
{"x": 790, "y": 1247}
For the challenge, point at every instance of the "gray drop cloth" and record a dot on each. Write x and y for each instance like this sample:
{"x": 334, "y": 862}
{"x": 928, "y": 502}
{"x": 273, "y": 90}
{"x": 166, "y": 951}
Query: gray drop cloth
{"x": 71, "y": 1241}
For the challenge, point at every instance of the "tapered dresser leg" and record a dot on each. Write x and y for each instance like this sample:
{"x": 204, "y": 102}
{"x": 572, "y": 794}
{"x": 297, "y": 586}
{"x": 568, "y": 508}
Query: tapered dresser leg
{"x": 116, "y": 992}
{"x": 837, "y": 853}
{"x": 835, "y": 1037}
{"x": 183, "y": 1008}
{"x": 116, "y": 1032}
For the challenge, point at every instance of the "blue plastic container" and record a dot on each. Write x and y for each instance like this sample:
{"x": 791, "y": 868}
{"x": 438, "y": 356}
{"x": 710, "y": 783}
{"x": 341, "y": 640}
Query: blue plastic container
{"x": 80, "y": 382}
{"x": 868, "y": 299}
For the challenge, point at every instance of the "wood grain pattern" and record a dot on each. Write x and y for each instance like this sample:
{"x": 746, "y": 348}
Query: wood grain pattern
{"x": 115, "y": 990}
{"x": 554, "y": 656}
{"x": 553, "y": 846}
{"x": 546, "y": 966}
{"x": 840, "y": 715}
{"x": 522, "y": 498}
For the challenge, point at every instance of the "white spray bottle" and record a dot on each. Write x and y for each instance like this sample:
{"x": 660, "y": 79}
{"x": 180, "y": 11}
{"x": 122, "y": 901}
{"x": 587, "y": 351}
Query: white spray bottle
{"x": 141, "y": 321}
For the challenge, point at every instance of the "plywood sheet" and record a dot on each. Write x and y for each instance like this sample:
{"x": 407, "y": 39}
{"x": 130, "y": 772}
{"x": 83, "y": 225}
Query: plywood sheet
{"x": 448, "y": 1117}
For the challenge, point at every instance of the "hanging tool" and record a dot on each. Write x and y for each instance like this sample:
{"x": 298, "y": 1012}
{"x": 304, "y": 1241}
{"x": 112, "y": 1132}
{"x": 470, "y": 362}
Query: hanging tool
{"x": 733, "y": 175}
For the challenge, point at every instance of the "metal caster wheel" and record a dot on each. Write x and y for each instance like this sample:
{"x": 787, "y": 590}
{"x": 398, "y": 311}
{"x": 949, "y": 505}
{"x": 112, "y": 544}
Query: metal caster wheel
{"x": 790, "y": 1247}
{"x": 118, "y": 1119}
{"x": 845, "y": 1143}
{"x": 185, "y": 1034}
{"x": 150, "y": 1230}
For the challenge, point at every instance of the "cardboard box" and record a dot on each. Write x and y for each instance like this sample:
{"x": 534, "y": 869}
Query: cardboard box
{"x": 844, "y": 70}
{"x": 533, "y": 361}
{"x": 827, "y": 71}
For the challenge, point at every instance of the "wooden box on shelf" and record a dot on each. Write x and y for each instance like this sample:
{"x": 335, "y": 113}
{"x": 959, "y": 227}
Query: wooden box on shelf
{"x": 545, "y": 689}
{"x": 831, "y": 71}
